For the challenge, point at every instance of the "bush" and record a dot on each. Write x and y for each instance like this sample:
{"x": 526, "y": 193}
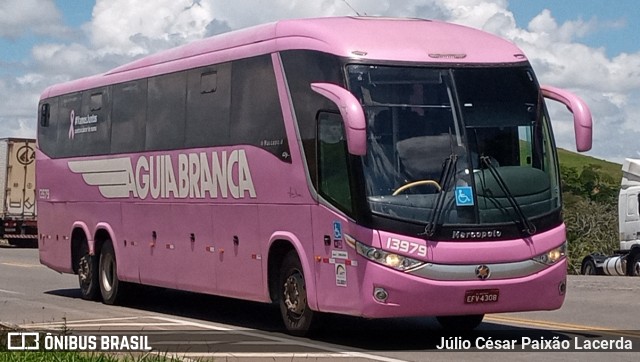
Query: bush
{"x": 592, "y": 227}
{"x": 590, "y": 213}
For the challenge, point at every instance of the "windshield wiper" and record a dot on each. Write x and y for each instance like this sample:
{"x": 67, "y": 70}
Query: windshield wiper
{"x": 528, "y": 226}
{"x": 448, "y": 171}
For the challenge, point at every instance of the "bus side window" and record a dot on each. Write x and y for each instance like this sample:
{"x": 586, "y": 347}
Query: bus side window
{"x": 48, "y": 130}
{"x": 96, "y": 102}
{"x": 166, "y": 100}
{"x": 208, "y": 106}
{"x": 333, "y": 170}
{"x": 44, "y": 115}
{"x": 93, "y": 131}
{"x": 129, "y": 117}
{"x": 209, "y": 82}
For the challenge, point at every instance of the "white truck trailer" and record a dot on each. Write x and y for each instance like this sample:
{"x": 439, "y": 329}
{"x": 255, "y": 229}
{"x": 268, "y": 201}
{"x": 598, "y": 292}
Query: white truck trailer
{"x": 626, "y": 261}
{"x": 17, "y": 191}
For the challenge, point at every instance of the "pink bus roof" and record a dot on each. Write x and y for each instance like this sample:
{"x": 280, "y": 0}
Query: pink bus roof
{"x": 367, "y": 38}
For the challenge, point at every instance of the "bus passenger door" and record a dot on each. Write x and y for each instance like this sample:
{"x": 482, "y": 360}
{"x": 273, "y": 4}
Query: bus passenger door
{"x": 337, "y": 272}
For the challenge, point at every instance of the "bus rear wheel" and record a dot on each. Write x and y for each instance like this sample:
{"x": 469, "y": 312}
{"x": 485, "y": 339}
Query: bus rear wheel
{"x": 110, "y": 286}
{"x": 460, "y": 323}
{"x": 296, "y": 314}
{"x": 88, "y": 274}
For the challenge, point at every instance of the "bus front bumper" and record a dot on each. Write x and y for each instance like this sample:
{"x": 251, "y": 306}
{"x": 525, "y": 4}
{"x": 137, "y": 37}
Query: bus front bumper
{"x": 386, "y": 293}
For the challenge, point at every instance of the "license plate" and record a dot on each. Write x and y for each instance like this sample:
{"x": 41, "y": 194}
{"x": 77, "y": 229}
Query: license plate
{"x": 480, "y": 296}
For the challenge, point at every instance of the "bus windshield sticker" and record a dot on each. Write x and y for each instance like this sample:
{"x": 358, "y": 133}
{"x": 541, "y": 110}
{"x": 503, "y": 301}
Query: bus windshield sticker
{"x": 464, "y": 196}
{"x": 82, "y": 124}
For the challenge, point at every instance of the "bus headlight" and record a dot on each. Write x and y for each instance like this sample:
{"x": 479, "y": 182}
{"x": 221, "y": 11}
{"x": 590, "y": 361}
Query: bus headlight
{"x": 395, "y": 261}
{"x": 552, "y": 256}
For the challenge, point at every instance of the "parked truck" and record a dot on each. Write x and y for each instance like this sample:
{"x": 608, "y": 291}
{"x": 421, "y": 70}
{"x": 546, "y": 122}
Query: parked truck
{"x": 17, "y": 191}
{"x": 625, "y": 261}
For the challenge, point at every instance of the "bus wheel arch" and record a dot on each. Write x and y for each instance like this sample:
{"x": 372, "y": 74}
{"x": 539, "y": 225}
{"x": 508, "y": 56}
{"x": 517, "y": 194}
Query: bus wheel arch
{"x": 297, "y": 315}
{"x": 100, "y": 238}
{"x": 278, "y": 250}
{"x": 291, "y": 286}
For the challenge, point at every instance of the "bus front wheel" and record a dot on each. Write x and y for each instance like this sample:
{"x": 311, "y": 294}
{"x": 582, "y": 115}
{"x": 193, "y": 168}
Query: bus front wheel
{"x": 297, "y": 315}
{"x": 110, "y": 286}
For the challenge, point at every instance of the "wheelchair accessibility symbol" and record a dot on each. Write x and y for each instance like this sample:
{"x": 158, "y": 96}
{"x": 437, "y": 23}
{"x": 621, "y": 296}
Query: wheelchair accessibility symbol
{"x": 464, "y": 196}
{"x": 337, "y": 230}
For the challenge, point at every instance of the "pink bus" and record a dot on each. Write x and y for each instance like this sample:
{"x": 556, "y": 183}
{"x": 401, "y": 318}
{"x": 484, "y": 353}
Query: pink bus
{"x": 363, "y": 166}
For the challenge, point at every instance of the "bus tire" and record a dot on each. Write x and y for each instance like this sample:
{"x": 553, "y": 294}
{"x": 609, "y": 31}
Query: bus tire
{"x": 88, "y": 274}
{"x": 296, "y": 314}
{"x": 110, "y": 286}
{"x": 460, "y": 323}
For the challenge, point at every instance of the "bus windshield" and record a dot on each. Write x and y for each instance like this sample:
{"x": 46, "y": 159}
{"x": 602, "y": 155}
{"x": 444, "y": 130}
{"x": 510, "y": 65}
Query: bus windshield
{"x": 462, "y": 146}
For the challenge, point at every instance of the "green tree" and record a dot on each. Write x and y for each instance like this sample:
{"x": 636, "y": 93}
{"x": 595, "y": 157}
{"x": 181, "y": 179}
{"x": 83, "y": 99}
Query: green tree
{"x": 590, "y": 212}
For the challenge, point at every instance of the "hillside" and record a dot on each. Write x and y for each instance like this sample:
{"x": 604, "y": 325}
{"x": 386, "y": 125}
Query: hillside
{"x": 579, "y": 161}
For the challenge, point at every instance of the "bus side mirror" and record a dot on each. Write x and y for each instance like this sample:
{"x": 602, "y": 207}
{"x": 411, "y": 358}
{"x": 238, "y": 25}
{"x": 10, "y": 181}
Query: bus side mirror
{"x": 582, "y": 122}
{"x": 352, "y": 115}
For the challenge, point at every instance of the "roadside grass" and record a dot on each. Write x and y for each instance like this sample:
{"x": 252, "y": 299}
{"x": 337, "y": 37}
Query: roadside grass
{"x": 75, "y": 356}
{"x": 67, "y": 356}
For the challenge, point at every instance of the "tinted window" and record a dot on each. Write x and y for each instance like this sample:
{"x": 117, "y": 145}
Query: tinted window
{"x": 166, "y": 111}
{"x": 303, "y": 67}
{"x": 129, "y": 116}
{"x": 333, "y": 159}
{"x": 208, "y": 106}
{"x": 256, "y": 116}
{"x": 92, "y": 125}
{"x": 68, "y": 112}
{"x": 234, "y": 103}
{"x": 48, "y": 134}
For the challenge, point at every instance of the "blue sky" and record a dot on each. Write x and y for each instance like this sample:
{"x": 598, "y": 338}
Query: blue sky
{"x": 591, "y": 47}
{"x": 618, "y": 34}
{"x": 75, "y": 12}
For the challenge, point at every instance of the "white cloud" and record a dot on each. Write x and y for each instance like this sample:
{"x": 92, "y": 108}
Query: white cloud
{"x": 122, "y": 30}
{"x": 21, "y": 17}
{"x": 132, "y": 27}
{"x": 611, "y": 86}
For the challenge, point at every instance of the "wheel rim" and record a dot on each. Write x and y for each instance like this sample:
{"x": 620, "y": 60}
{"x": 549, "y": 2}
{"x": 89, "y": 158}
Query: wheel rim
{"x": 294, "y": 295}
{"x": 84, "y": 271}
{"x": 636, "y": 268}
{"x": 108, "y": 274}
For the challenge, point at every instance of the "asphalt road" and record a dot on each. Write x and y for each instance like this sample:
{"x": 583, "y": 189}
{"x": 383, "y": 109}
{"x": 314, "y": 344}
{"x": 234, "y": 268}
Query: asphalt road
{"x": 37, "y": 298}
